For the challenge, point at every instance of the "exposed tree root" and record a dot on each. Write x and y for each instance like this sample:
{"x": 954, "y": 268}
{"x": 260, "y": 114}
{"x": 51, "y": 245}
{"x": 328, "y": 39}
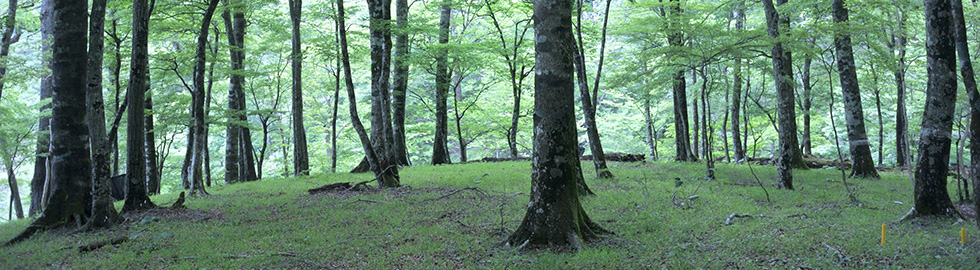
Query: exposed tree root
{"x": 179, "y": 204}
{"x": 99, "y": 244}
{"x": 913, "y": 214}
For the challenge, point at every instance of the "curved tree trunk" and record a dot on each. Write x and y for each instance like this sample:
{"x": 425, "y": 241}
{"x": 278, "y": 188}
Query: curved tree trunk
{"x": 970, "y": 83}
{"x": 196, "y": 169}
{"x": 862, "y": 165}
{"x": 589, "y": 100}
{"x": 554, "y": 215}
{"x": 301, "y": 156}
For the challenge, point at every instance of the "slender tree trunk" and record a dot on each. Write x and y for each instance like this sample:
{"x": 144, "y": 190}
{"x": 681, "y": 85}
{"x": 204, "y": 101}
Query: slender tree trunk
{"x": 589, "y": 100}
{"x": 648, "y": 119}
{"x": 739, "y": 148}
{"x": 807, "y": 142}
{"x": 65, "y": 21}
{"x": 783, "y": 75}
{"x": 233, "y": 131}
{"x": 336, "y": 100}
{"x": 440, "y": 145}
{"x": 862, "y": 165}
{"x": 681, "y": 124}
{"x": 554, "y": 214}
{"x": 517, "y": 75}
{"x": 152, "y": 171}
{"x": 931, "y": 195}
{"x": 901, "y": 117}
{"x": 136, "y": 197}
{"x": 400, "y": 86}
{"x": 696, "y": 146}
{"x": 970, "y": 83}
{"x": 207, "y": 108}
{"x": 301, "y": 157}
{"x": 881, "y": 127}
{"x": 457, "y": 96}
{"x": 199, "y": 130}
{"x": 18, "y": 207}
{"x": 41, "y": 154}
{"x": 386, "y": 169}
{"x": 116, "y": 71}
{"x": 8, "y": 38}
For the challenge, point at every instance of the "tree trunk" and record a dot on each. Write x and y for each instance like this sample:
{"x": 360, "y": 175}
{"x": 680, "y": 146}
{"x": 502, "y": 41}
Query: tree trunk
{"x": 65, "y": 21}
{"x": 554, "y": 217}
{"x": 400, "y": 86}
{"x": 136, "y": 197}
{"x": 7, "y": 39}
{"x": 783, "y": 76}
{"x": 43, "y": 144}
{"x": 152, "y": 171}
{"x": 336, "y": 101}
{"x": 737, "y": 145}
{"x": 199, "y": 130}
{"x": 457, "y": 96}
{"x": 807, "y": 142}
{"x": 881, "y": 127}
{"x": 18, "y": 207}
{"x": 862, "y": 165}
{"x": 117, "y": 86}
{"x": 301, "y": 156}
{"x": 931, "y": 195}
{"x": 233, "y": 136}
{"x": 589, "y": 101}
{"x": 440, "y": 145}
{"x": 681, "y": 124}
{"x": 385, "y": 168}
{"x": 901, "y": 117}
{"x": 696, "y": 146}
{"x": 970, "y": 83}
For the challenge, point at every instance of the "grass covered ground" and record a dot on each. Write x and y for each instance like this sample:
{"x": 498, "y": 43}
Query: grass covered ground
{"x": 435, "y": 222}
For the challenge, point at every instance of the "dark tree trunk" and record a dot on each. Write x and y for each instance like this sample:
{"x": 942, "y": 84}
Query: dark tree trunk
{"x": 386, "y": 177}
{"x": 8, "y": 38}
{"x": 807, "y": 142}
{"x": 18, "y": 207}
{"x": 103, "y": 213}
{"x": 385, "y": 168}
{"x": 199, "y": 129}
{"x": 117, "y": 86}
{"x": 440, "y": 145}
{"x": 901, "y": 118}
{"x": 931, "y": 195}
{"x": 301, "y": 156}
{"x": 400, "y": 86}
{"x": 457, "y": 96}
{"x": 207, "y": 108}
{"x": 66, "y": 23}
{"x": 862, "y": 165}
{"x": 41, "y": 154}
{"x": 696, "y": 145}
{"x": 737, "y": 145}
{"x": 236, "y": 166}
{"x": 783, "y": 76}
{"x": 554, "y": 217}
{"x": 336, "y": 101}
{"x": 589, "y": 100}
{"x": 970, "y": 83}
{"x": 648, "y": 119}
{"x": 136, "y": 197}
{"x": 681, "y": 124}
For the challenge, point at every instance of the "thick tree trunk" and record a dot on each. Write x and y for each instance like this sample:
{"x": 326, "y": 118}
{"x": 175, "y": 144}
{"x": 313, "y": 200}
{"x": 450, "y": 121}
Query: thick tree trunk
{"x": 440, "y": 145}
{"x": 385, "y": 168}
{"x": 931, "y": 195}
{"x": 199, "y": 129}
{"x": 136, "y": 197}
{"x": 554, "y": 217}
{"x": 41, "y": 154}
{"x": 103, "y": 213}
{"x": 783, "y": 76}
{"x": 301, "y": 156}
{"x": 862, "y": 165}
{"x": 66, "y": 23}
{"x": 400, "y": 85}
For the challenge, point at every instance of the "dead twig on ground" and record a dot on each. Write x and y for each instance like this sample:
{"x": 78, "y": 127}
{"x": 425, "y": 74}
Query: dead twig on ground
{"x": 362, "y": 200}
{"x": 454, "y": 192}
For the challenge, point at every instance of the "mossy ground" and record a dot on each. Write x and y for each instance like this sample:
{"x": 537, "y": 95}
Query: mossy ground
{"x": 274, "y": 223}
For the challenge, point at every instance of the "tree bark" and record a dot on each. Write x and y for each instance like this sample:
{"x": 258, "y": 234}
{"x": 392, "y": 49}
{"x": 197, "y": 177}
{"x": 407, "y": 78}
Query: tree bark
{"x": 18, "y": 207}
{"x": 336, "y": 98}
{"x": 862, "y": 165}
{"x": 901, "y": 117}
{"x": 783, "y": 76}
{"x": 931, "y": 195}
{"x": 807, "y": 142}
{"x": 440, "y": 145}
{"x": 400, "y": 86}
{"x": 65, "y": 21}
{"x": 7, "y": 39}
{"x": 136, "y": 197}
{"x": 970, "y": 83}
{"x": 589, "y": 100}
{"x": 554, "y": 217}
{"x": 152, "y": 169}
{"x": 681, "y": 132}
{"x": 301, "y": 156}
{"x": 199, "y": 131}
{"x": 385, "y": 168}
{"x": 43, "y": 144}
{"x": 737, "y": 145}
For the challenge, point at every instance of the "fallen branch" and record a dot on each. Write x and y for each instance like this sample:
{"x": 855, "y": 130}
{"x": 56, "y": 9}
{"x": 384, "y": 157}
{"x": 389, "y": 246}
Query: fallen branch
{"x": 737, "y": 215}
{"x": 840, "y": 256}
{"x": 477, "y": 190}
{"x": 362, "y": 200}
{"x": 99, "y": 244}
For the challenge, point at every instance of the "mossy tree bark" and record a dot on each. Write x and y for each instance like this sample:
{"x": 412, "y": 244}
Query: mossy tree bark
{"x": 862, "y": 165}
{"x": 931, "y": 195}
{"x": 65, "y": 21}
{"x": 783, "y": 76}
{"x": 103, "y": 213}
{"x": 385, "y": 166}
{"x": 555, "y": 217}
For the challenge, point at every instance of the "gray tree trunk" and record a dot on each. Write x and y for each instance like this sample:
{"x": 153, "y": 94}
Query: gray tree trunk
{"x": 589, "y": 100}
{"x": 931, "y": 170}
{"x": 554, "y": 215}
{"x": 199, "y": 130}
{"x": 681, "y": 124}
{"x": 440, "y": 145}
{"x": 737, "y": 145}
{"x": 136, "y": 197}
{"x": 970, "y": 83}
{"x": 301, "y": 156}
{"x": 783, "y": 76}
{"x": 901, "y": 117}
{"x": 152, "y": 167}
{"x": 400, "y": 85}
{"x": 862, "y": 165}
{"x": 43, "y": 144}
{"x": 7, "y": 39}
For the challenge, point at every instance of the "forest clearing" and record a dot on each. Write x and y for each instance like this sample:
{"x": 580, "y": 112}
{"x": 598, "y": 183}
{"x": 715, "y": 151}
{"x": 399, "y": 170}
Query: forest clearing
{"x": 435, "y": 222}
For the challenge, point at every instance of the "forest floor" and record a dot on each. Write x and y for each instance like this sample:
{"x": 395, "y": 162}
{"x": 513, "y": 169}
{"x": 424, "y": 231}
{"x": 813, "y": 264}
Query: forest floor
{"x": 456, "y": 216}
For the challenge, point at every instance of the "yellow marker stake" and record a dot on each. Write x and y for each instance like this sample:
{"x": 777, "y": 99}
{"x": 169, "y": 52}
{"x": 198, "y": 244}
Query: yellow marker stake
{"x": 962, "y": 236}
{"x": 882, "y": 234}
